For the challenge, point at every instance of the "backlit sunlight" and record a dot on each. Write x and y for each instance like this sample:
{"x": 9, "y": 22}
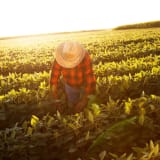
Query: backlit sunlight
{"x": 23, "y": 17}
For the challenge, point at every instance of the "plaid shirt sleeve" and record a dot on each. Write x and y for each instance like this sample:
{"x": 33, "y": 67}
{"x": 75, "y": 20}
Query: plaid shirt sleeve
{"x": 55, "y": 73}
{"x": 90, "y": 84}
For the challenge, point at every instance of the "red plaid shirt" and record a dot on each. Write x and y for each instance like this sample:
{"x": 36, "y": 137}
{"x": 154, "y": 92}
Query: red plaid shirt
{"x": 81, "y": 75}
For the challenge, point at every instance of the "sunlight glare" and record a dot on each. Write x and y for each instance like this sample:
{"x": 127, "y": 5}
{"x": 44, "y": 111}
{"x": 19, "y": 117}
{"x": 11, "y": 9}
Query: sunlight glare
{"x": 23, "y": 17}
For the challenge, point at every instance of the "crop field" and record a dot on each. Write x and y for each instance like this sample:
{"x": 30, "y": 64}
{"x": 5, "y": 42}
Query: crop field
{"x": 120, "y": 122}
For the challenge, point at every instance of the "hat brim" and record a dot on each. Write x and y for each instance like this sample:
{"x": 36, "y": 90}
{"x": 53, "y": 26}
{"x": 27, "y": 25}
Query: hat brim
{"x": 72, "y": 63}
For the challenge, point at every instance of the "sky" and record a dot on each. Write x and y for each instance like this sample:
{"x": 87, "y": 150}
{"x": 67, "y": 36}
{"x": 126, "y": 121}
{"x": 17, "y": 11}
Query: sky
{"x": 23, "y": 17}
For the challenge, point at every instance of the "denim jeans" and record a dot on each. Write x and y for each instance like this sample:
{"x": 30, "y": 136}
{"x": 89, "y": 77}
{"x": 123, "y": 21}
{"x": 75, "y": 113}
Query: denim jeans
{"x": 73, "y": 94}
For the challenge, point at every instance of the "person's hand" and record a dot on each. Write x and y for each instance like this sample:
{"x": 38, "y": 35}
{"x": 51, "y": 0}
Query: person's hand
{"x": 81, "y": 105}
{"x": 58, "y": 106}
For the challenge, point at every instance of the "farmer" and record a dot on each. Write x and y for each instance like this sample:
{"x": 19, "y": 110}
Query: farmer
{"x": 73, "y": 65}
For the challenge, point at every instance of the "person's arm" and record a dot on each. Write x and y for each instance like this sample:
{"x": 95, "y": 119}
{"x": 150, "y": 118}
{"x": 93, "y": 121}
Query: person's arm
{"x": 90, "y": 83}
{"x": 55, "y": 74}
{"x": 54, "y": 91}
{"x": 81, "y": 104}
{"x": 90, "y": 79}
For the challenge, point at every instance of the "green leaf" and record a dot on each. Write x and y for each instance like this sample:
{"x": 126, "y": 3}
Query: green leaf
{"x": 128, "y": 107}
{"x": 34, "y": 120}
{"x": 156, "y": 149}
{"x": 107, "y": 133}
{"x": 29, "y": 131}
{"x": 113, "y": 155}
{"x": 89, "y": 115}
{"x": 13, "y": 134}
{"x": 96, "y": 109}
{"x": 102, "y": 155}
{"x": 87, "y": 136}
{"x": 123, "y": 155}
{"x": 25, "y": 125}
{"x": 151, "y": 145}
{"x": 50, "y": 122}
{"x": 130, "y": 157}
{"x": 141, "y": 116}
{"x": 141, "y": 120}
{"x": 58, "y": 115}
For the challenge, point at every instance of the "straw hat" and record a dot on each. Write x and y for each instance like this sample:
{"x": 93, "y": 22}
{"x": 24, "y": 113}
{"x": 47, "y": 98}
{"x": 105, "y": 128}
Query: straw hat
{"x": 69, "y": 54}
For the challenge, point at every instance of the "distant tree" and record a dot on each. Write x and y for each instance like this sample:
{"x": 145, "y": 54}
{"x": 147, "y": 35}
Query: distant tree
{"x": 151, "y": 24}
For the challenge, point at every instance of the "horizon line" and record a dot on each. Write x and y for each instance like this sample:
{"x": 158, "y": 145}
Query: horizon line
{"x": 49, "y": 33}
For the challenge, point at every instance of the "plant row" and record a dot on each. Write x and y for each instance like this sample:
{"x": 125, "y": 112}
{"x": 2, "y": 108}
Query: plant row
{"x": 118, "y": 87}
{"x": 106, "y": 131}
{"x": 18, "y": 80}
{"x": 32, "y": 81}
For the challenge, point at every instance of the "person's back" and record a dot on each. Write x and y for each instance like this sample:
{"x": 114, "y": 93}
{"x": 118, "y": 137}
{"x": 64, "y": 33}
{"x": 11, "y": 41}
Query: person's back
{"x": 73, "y": 63}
